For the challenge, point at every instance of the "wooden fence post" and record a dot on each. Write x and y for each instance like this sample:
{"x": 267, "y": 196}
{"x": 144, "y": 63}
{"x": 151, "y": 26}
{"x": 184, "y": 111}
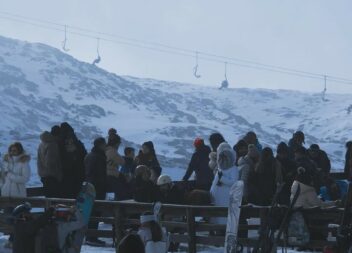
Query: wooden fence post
{"x": 118, "y": 223}
{"x": 191, "y": 228}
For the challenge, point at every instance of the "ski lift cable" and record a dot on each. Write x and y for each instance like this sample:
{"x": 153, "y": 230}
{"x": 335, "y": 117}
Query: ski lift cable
{"x": 332, "y": 78}
{"x": 164, "y": 45}
{"x": 204, "y": 56}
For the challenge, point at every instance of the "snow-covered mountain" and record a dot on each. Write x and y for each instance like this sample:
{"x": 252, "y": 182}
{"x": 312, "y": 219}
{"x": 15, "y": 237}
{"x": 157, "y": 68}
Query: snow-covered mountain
{"x": 41, "y": 86}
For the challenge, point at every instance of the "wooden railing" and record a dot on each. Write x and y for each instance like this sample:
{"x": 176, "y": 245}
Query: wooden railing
{"x": 180, "y": 220}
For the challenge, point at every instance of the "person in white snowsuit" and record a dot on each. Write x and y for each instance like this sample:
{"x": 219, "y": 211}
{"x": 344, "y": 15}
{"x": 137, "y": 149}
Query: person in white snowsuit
{"x": 16, "y": 172}
{"x": 225, "y": 177}
{"x": 152, "y": 234}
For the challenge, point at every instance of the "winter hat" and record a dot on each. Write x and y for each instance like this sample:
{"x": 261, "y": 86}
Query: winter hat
{"x": 282, "y": 148}
{"x": 226, "y": 156}
{"x": 253, "y": 151}
{"x": 21, "y": 209}
{"x": 55, "y": 131}
{"x": 198, "y": 142}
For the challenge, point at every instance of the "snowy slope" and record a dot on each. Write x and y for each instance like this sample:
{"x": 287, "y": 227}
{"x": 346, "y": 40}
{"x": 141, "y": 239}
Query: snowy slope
{"x": 41, "y": 86}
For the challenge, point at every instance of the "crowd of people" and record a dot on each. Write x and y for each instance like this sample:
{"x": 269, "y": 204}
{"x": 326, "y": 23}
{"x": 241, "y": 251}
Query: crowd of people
{"x": 64, "y": 164}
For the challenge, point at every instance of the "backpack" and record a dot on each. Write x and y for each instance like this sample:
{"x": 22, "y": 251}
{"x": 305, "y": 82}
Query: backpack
{"x": 298, "y": 233}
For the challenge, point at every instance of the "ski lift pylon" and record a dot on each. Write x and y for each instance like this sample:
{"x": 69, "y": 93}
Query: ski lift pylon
{"x": 98, "y": 59}
{"x": 195, "y": 69}
{"x": 65, "y": 41}
{"x": 325, "y": 88}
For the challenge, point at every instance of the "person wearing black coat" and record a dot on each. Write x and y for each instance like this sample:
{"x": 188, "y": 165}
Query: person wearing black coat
{"x": 302, "y": 160}
{"x": 147, "y": 157}
{"x": 200, "y": 165}
{"x": 95, "y": 168}
{"x": 145, "y": 190}
{"x": 348, "y": 161}
{"x": 297, "y": 141}
{"x": 73, "y": 153}
{"x": 321, "y": 159}
{"x": 289, "y": 172}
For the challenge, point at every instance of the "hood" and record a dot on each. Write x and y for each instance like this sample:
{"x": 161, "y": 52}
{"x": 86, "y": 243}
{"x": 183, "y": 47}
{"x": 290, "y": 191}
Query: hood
{"x": 47, "y": 137}
{"x": 226, "y": 156}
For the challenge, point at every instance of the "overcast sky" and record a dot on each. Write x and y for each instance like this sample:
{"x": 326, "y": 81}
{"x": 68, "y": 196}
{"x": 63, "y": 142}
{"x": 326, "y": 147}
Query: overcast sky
{"x": 311, "y": 35}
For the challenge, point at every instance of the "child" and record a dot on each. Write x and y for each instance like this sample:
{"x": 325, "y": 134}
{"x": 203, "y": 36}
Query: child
{"x": 129, "y": 167}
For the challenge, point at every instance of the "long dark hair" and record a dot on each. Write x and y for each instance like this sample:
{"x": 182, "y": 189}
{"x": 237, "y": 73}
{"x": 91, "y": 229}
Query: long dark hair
{"x": 266, "y": 162}
{"x": 18, "y": 146}
{"x": 155, "y": 229}
{"x": 215, "y": 140}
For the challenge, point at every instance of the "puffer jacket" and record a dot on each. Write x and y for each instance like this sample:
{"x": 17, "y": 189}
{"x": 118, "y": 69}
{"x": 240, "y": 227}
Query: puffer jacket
{"x": 49, "y": 162}
{"x": 17, "y": 174}
{"x": 113, "y": 161}
{"x": 308, "y": 197}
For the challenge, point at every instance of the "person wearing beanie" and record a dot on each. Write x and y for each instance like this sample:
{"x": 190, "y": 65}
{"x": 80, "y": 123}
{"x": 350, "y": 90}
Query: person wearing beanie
{"x": 96, "y": 168}
{"x": 225, "y": 177}
{"x": 308, "y": 197}
{"x": 246, "y": 166}
{"x": 199, "y": 164}
{"x": 147, "y": 157}
{"x": 289, "y": 171}
{"x": 117, "y": 182}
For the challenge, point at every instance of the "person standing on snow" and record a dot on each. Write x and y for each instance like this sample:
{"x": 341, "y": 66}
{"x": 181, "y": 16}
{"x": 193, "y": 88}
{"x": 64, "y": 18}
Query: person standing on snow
{"x": 147, "y": 157}
{"x": 200, "y": 165}
{"x": 263, "y": 181}
{"x": 116, "y": 181}
{"x": 246, "y": 166}
{"x": 215, "y": 140}
{"x": 16, "y": 172}
{"x": 73, "y": 153}
{"x": 95, "y": 167}
{"x": 49, "y": 165}
{"x": 241, "y": 149}
{"x": 226, "y": 176}
{"x": 348, "y": 161}
{"x": 297, "y": 141}
{"x": 251, "y": 138}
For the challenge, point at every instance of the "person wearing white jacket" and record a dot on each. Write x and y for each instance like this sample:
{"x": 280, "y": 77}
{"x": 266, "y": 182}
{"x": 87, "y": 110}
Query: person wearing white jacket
{"x": 152, "y": 234}
{"x": 225, "y": 177}
{"x": 16, "y": 172}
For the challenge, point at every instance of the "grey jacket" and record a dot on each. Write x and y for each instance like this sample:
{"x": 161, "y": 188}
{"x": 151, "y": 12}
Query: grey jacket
{"x": 49, "y": 162}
